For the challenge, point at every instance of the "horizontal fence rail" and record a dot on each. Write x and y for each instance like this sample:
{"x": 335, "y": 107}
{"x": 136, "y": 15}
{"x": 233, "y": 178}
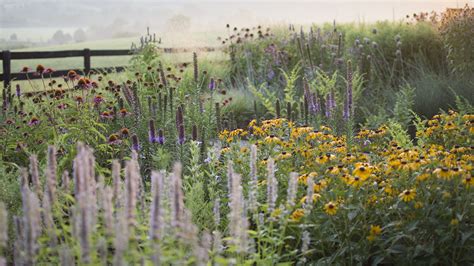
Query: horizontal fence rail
{"x": 7, "y": 56}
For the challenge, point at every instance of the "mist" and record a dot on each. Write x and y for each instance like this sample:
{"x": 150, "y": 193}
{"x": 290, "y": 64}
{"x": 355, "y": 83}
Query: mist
{"x": 29, "y": 23}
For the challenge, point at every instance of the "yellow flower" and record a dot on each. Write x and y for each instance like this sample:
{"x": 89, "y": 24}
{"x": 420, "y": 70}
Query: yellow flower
{"x": 362, "y": 171}
{"x": 371, "y": 238}
{"x": 449, "y": 126}
{"x": 320, "y": 185}
{"x": 333, "y": 170}
{"x": 223, "y": 134}
{"x": 418, "y": 205}
{"x": 454, "y": 222}
{"x": 272, "y": 139}
{"x": 325, "y": 158}
{"x": 423, "y": 177}
{"x": 276, "y": 213}
{"x": 443, "y": 173}
{"x": 253, "y": 123}
{"x": 316, "y": 197}
{"x": 283, "y": 155}
{"x": 330, "y": 208}
{"x": 468, "y": 181}
{"x": 297, "y": 215}
{"x": 375, "y": 230}
{"x": 355, "y": 181}
{"x": 408, "y": 195}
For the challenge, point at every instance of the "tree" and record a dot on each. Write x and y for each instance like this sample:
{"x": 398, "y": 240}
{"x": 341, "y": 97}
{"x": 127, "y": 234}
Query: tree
{"x": 58, "y": 37}
{"x": 79, "y": 35}
{"x": 179, "y": 23}
{"x": 13, "y": 37}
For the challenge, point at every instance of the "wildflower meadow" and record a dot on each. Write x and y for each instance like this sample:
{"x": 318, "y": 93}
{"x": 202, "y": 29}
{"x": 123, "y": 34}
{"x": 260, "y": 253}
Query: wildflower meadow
{"x": 334, "y": 144}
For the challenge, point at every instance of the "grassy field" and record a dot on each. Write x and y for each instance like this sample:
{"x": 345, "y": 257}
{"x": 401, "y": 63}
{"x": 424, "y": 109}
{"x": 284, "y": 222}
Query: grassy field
{"x": 169, "y": 40}
{"x": 198, "y": 40}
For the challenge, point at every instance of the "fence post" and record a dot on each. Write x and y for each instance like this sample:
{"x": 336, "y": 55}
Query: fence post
{"x": 6, "y": 68}
{"x": 87, "y": 61}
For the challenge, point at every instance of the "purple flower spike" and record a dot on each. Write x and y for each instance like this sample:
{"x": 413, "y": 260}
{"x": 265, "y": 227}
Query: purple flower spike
{"x": 161, "y": 138}
{"x": 180, "y": 125}
{"x": 212, "y": 84}
{"x": 151, "y": 131}
{"x": 135, "y": 144}
{"x": 18, "y": 90}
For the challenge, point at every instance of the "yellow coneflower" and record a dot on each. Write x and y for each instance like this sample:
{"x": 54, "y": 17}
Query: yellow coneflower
{"x": 375, "y": 230}
{"x": 468, "y": 181}
{"x": 297, "y": 215}
{"x": 223, "y": 134}
{"x": 325, "y": 158}
{"x": 443, "y": 173}
{"x": 330, "y": 208}
{"x": 418, "y": 205}
{"x": 333, "y": 170}
{"x": 363, "y": 171}
{"x": 408, "y": 195}
{"x": 423, "y": 176}
{"x": 449, "y": 126}
{"x": 272, "y": 139}
{"x": 355, "y": 181}
{"x": 283, "y": 155}
{"x": 320, "y": 185}
{"x": 316, "y": 197}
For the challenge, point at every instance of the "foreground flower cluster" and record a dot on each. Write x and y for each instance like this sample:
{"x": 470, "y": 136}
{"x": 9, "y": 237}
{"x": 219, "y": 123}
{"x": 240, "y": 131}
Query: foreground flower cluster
{"x": 276, "y": 192}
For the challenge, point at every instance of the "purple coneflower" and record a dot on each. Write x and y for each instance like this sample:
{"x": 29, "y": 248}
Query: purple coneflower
{"x": 107, "y": 115}
{"x": 114, "y": 139}
{"x": 34, "y": 121}
{"x": 98, "y": 99}
{"x": 84, "y": 83}
{"x": 124, "y": 132}
{"x": 25, "y": 69}
{"x": 40, "y": 69}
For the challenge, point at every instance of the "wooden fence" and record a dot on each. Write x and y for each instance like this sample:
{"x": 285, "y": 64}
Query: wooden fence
{"x": 8, "y": 56}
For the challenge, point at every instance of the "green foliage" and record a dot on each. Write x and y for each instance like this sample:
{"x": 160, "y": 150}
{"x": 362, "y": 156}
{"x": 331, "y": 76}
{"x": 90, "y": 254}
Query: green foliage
{"x": 290, "y": 87}
{"x": 402, "y": 111}
{"x": 455, "y": 31}
{"x": 265, "y": 96}
{"x": 399, "y": 134}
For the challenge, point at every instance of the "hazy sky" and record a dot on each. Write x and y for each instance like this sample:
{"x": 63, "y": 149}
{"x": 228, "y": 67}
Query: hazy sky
{"x": 125, "y": 17}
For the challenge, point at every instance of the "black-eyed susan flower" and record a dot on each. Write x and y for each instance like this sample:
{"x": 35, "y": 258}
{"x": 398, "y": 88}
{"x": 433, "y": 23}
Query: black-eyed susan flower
{"x": 408, "y": 195}
{"x": 375, "y": 230}
{"x": 297, "y": 215}
{"x": 316, "y": 197}
{"x": 283, "y": 155}
{"x": 443, "y": 173}
{"x": 330, "y": 208}
{"x": 320, "y": 185}
{"x": 272, "y": 139}
{"x": 468, "y": 181}
{"x": 363, "y": 171}
{"x": 355, "y": 181}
